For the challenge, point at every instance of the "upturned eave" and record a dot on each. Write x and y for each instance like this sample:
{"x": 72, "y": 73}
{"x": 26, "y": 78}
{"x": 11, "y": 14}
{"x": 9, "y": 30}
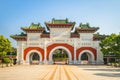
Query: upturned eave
{"x": 38, "y": 30}
{"x": 19, "y": 38}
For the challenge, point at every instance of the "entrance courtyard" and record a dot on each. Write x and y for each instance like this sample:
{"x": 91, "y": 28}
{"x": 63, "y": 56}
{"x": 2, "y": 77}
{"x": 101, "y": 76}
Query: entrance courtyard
{"x": 59, "y": 72}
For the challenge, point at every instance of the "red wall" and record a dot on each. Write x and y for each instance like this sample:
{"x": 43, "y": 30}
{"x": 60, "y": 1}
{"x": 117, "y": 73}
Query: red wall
{"x": 86, "y": 48}
{"x": 33, "y": 48}
{"x": 69, "y": 47}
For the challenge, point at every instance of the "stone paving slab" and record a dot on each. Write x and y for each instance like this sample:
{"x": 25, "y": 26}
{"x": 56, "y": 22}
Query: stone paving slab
{"x": 59, "y": 72}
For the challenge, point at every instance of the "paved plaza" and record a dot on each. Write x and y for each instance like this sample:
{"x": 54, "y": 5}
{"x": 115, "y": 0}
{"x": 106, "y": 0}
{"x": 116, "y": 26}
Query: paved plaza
{"x": 59, "y": 72}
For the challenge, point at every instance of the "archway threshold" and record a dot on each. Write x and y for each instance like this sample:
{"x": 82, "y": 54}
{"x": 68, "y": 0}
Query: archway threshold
{"x": 35, "y": 62}
{"x": 60, "y": 63}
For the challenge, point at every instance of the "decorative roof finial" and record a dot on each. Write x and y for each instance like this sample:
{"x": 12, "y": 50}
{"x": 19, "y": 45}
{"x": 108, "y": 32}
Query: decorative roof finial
{"x": 53, "y": 20}
{"x": 66, "y": 20}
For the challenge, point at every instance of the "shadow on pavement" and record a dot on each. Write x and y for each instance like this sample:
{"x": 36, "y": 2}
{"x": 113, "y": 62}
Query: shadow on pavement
{"x": 108, "y": 74}
{"x": 113, "y": 70}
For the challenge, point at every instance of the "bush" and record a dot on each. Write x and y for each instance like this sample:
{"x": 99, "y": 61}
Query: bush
{"x": 7, "y": 61}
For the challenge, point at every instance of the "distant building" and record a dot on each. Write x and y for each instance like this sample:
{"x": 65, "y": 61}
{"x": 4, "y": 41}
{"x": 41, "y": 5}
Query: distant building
{"x": 39, "y": 44}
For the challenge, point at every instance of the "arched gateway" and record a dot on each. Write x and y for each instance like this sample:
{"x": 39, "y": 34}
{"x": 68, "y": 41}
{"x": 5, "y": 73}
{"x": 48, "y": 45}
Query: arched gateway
{"x": 38, "y": 46}
{"x": 86, "y": 57}
{"x": 60, "y": 47}
{"x": 68, "y": 48}
{"x": 34, "y": 57}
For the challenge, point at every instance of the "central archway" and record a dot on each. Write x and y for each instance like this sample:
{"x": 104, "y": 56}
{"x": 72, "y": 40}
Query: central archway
{"x": 60, "y": 56}
{"x": 60, "y": 47}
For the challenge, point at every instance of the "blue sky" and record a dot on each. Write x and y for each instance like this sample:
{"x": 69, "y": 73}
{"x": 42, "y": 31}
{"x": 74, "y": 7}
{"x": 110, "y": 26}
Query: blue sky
{"x": 100, "y": 13}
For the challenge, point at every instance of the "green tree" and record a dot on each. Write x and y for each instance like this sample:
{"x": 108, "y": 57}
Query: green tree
{"x": 111, "y": 45}
{"x": 107, "y": 43}
{"x": 5, "y": 46}
{"x": 116, "y": 46}
{"x": 14, "y": 51}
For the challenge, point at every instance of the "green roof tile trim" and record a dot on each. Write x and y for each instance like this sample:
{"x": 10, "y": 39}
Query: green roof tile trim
{"x": 60, "y": 21}
{"x": 87, "y": 26}
{"x": 97, "y": 35}
{"x": 35, "y": 26}
{"x": 19, "y": 35}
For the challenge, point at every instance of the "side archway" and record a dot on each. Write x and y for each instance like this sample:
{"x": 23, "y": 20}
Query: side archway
{"x": 38, "y": 49}
{"x": 28, "y": 56}
{"x": 94, "y": 52}
{"x": 89, "y": 54}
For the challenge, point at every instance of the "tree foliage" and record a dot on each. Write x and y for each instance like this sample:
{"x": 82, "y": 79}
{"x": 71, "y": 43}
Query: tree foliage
{"x": 14, "y": 51}
{"x": 111, "y": 45}
{"x": 60, "y": 55}
{"x": 5, "y": 45}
